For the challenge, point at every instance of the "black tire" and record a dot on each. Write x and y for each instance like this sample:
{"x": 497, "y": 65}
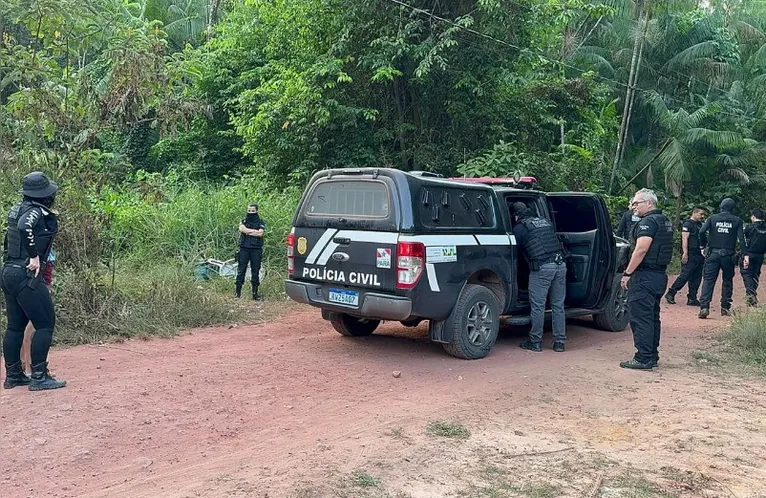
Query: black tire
{"x": 474, "y": 323}
{"x": 352, "y": 326}
{"x": 411, "y": 323}
{"x": 616, "y": 315}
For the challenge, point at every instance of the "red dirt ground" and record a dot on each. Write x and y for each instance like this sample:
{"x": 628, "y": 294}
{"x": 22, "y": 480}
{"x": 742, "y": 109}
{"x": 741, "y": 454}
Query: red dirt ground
{"x": 291, "y": 408}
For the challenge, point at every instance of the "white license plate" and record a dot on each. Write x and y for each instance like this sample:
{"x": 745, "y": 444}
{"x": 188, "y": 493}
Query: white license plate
{"x": 349, "y": 298}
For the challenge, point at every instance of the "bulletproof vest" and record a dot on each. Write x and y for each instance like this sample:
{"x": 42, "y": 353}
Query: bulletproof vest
{"x": 723, "y": 231}
{"x": 249, "y": 241}
{"x": 694, "y": 235}
{"x": 756, "y": 241}
{"x": 15, "y": 251}
{"x": 542, "y": 244}
{"x": 661, "y": 251}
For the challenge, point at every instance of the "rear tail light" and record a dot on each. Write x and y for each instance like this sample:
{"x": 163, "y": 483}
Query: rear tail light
{"x": 410, "y": 260}
{"x": 291, "y": 254}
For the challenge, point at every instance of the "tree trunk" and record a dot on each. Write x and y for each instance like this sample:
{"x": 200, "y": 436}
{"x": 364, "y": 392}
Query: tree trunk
{"x": 679, "y": 204}
{"x": 633, "y": 93}
{"x": 628, "y": 96}
{"x": 212, "y": 16}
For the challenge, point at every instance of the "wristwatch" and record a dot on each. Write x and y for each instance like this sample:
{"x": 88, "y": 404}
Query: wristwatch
{"x": 626, "y": 274}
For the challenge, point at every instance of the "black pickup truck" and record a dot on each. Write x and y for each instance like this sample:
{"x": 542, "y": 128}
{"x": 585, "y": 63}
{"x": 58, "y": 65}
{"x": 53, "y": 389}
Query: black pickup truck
{"x": 369, "y": 245}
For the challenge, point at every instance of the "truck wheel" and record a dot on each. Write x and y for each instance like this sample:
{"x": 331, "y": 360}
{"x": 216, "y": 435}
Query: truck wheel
{"x": 615, "y": 316}
{"x": 475, "y": 322}
{"x": 352, "y": 326}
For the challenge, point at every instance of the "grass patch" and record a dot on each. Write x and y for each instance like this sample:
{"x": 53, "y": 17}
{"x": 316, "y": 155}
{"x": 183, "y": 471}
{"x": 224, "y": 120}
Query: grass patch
{"x": 746, "y": 338}
{"x": 454, "y": 430}
{"x": 705, "y": 357}
{"x": 632, "y": 485}
{"x": 498, "y": 485}
{"x": 362, "y": 479}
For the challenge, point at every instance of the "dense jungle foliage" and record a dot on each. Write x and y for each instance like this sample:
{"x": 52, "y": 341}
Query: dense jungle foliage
{"x": 161, "y": 119}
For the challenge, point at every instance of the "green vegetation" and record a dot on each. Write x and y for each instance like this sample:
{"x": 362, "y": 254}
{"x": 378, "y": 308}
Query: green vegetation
{"x": 161, "y": 119}
{"x": 454, "y": 430}
{"x": 747, "y": 338}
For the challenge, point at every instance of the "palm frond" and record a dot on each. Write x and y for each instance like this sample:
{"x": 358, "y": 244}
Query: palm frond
{"x": 673, "y": 160}
{"x": 737, "y": 174}
{"x": 748, "y": 33}
{"x": 693, "y": 55}
{"x": 720, "y": 140}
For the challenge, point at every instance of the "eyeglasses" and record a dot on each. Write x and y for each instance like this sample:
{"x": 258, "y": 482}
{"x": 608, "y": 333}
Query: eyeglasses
{"x": 636, "y": 203}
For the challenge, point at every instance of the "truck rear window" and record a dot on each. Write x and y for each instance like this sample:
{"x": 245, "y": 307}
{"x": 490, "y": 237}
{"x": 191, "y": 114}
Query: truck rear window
{"x": 349, "y": 198}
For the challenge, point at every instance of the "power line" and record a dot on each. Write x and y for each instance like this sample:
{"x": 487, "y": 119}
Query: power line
{"x": 542, "y": 56}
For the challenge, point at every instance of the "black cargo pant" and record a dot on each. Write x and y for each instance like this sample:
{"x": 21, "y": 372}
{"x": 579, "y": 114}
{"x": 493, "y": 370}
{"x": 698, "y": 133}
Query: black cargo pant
{"x": 719, "y": 260}
{"x": 691, "y": 273}
{"x": 645, "y": 292}
{"x": 750, "y": 276}
{"x": 251, "y": 256}
{"x": 24, "y": 304}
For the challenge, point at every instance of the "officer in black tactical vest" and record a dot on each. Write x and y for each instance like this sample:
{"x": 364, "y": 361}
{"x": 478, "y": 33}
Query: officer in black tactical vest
{"x": 28, "y": 242}
{"x": 627, "y": 222}
{"x": 725, "y": 230}
{"x": 755, "y": 247}
{"x": 250, "y": 250}
{"x": 646, "y": 278}
{"x": 692, "y": 260}
{"x": 548, "y": 275}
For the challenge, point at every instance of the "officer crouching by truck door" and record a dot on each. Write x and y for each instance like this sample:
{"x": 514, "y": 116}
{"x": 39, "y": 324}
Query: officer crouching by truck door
{"x": 548, "y": 275}
{"x": 725, "y": 230}
{"x": 27, "y": 246}
{"x": 755, "y": 247}
{"x": 692, "y": 260}
{"x": 646, "y": 278}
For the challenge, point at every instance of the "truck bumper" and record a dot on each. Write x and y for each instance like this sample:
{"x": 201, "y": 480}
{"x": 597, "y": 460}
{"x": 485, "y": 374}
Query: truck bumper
{"x": 373, "y": 305}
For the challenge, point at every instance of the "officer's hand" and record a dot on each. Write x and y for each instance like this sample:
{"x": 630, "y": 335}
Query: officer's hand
{"x": 685, "y": 258}
{"x": 745, "y": 262}
{"x": 34, "y": 265}
{"x": 624, "y": 282}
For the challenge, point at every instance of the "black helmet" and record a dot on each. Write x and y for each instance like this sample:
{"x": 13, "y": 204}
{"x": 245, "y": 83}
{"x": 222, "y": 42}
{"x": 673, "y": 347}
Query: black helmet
{"x": 37, "y": 186}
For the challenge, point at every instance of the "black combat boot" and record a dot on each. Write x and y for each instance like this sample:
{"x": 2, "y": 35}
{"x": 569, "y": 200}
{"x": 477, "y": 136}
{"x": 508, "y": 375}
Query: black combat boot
{"x": 704, "y": 313}
{"x": 558, "y": 346}
{"x": 15, "y": 376}
{"x": 42, "y": 380}
{"x": 670, "y": 297}
{"x": 238, "y": 291}
{"x": 256, "y": 296}
{"x": 531, "y": 346}
{"x": 726, "y": 312}
{"x": 634, "y": 364}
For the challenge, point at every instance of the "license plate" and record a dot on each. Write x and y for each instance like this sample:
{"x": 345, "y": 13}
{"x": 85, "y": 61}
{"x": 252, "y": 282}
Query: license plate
{"x": 349, "y": 298}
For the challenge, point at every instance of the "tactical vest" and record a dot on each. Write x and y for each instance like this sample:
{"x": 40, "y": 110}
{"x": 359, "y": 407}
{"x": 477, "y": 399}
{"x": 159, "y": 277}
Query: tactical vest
{"x": 694, "y": 235}
{"x": 756, "y": 242}
{"x": 723, "y": 231}
{"x": 15, "y": 251}
{"x": 542, "y": 243}
{"x": 661, "y": 251}
{"x": 250, "y": 241}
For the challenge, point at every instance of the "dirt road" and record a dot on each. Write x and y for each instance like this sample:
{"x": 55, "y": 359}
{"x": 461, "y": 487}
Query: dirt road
{"x": 292, "y": 409}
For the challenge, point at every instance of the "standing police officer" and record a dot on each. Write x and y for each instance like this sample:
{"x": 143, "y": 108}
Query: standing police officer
{"x": 542, "y": 249}
{"x": 646, "y": 278}
{"x": 692, "y": 260}
{"x": 28, "y": 242}
{"x": 250, "y": 250}
{"x": 755, "y": 247}
{"x": 627, "y": 222}
{"x": 725, "y": 230}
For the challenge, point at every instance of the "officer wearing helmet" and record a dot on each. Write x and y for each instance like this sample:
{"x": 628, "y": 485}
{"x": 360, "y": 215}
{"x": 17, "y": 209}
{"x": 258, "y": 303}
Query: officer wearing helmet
{"x": 726, "y": 230}
{"x": 27, "y": 245}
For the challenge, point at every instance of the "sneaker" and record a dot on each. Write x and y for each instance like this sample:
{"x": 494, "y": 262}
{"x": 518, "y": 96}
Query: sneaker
{"x": 531, "y": 346}
{"x": 634, "y": 364}
{"x": 726, "y": 312}
{"x": 704, "y": 313}
{"x": 670, "y": 298}
{"x": 692, "y": 302}
{"x": 558, "y": 346}
{"x": 655, "y": 362}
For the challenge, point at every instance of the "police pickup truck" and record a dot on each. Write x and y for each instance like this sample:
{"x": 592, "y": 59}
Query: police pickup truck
{"x": 370, "y": 245}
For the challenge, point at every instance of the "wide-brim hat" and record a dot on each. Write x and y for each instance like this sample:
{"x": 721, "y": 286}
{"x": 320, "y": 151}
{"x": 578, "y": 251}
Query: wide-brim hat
{"x": 38, "y": 186}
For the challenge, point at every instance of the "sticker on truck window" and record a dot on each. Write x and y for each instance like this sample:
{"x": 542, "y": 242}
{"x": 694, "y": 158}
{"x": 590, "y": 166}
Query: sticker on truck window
{"x": 441, "y": 254}
{"x": 384, "y": 258}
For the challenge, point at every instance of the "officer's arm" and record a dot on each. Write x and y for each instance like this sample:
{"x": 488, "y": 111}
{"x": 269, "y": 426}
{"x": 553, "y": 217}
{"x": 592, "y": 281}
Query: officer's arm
{"x": 642, "y": 246}
{"x": 705, "y": 227}
{"x": 259, "y": 231}
{"x": 26, "y": 227}
{"x": 741, "y": 238}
